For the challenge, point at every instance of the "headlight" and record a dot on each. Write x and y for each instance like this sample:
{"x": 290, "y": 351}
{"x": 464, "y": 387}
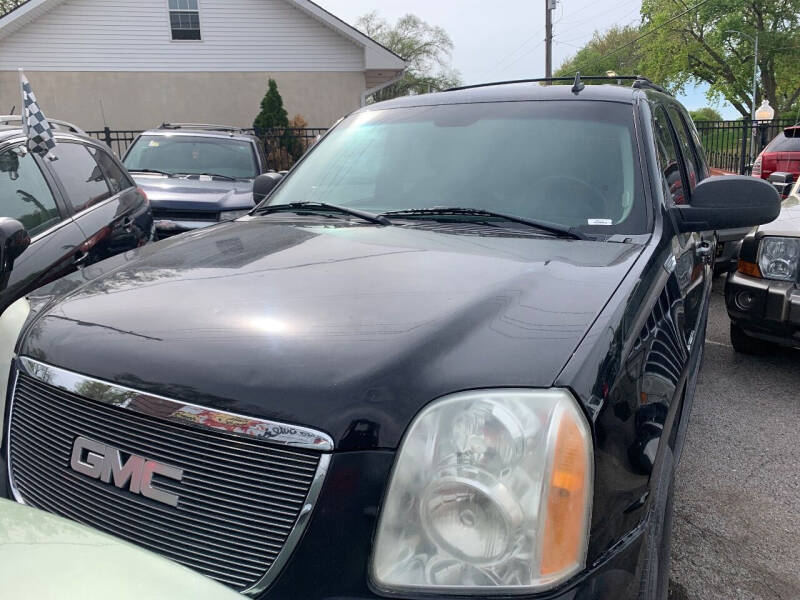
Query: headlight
{"x": 229, "y": 215}
{"x": 491, "y": 492}
{"x": 778, "y": 257}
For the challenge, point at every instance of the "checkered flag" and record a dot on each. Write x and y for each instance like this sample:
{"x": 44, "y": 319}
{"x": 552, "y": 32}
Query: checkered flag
{"x": 35, "y": 125}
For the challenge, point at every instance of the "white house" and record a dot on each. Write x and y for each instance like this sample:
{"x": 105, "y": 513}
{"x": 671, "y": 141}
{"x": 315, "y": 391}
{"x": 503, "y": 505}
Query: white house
{"x": 136, "y": 63}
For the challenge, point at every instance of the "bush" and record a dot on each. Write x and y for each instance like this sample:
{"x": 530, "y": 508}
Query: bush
{"x": 272, "y": 112}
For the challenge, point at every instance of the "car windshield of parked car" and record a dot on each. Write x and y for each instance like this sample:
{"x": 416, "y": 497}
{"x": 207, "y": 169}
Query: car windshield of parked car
{"x": 570, "y": 163}
{"x": 192, "y": 155}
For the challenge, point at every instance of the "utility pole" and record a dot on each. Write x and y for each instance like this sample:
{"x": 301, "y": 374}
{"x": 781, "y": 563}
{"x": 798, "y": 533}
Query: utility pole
{"x": 549, "y": 5}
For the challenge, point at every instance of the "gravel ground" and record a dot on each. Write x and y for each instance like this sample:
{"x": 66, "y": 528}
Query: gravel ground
{"x": 737, "y": 502}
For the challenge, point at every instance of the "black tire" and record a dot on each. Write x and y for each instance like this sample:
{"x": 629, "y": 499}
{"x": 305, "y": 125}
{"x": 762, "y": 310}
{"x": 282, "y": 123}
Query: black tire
{"x": 658, "y": 542}
{"x": 746, "y": 344}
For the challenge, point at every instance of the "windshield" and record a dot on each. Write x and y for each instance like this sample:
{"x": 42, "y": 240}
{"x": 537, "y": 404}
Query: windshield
{"x": 192, "y": 155}
{"x": 571, "y": 163}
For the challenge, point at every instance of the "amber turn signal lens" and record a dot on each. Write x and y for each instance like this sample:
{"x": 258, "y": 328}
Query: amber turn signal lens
{"x": 748, "y": 268}
{"x": 568, "y": 499}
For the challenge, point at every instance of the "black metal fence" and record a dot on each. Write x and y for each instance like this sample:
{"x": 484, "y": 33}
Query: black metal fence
{"x": 734, "y": 145}
{"x": 283, "y": 146}
{"x": 117, "y": 139}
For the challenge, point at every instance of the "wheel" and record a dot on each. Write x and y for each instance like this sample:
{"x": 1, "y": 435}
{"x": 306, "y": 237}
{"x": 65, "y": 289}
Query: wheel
{"x": 655, "y": 573}
{"x": 746, "y": 344}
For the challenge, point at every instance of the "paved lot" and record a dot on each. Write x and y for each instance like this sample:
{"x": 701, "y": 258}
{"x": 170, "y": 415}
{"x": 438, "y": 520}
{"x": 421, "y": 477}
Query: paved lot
{"x": 737, "y": 504}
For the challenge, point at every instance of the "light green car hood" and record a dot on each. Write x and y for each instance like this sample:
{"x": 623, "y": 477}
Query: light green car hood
{"x": 45, "y": 557}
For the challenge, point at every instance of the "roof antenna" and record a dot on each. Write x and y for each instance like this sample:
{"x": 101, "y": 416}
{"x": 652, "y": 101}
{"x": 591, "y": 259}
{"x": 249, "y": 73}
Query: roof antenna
{"x": 578, "y": 85}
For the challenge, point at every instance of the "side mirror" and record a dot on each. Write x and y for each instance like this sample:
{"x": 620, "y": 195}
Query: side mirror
{"x": 14, "y": 239}
{"x": 728, "y": 202}
{"x": 782, "y": 182}
{"x": 264, "y": 184}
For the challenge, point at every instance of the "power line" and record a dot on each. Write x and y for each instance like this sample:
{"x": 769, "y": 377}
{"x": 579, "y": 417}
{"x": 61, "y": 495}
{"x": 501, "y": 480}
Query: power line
{"x": 571, "y": 25}
{"x": 653, "y": 30}
{"x": 513, "y": 52}
{"x": 511, "y": 64}
{"x": 627, "y": 23}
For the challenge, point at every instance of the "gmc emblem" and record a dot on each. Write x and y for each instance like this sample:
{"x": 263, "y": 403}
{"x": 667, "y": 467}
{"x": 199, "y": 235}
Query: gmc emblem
{"x": 103, "y": 462}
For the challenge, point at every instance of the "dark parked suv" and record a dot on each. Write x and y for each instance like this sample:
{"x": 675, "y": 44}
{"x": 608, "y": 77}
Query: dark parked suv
{"x": 196, "y": 175}
{"x": 76, "y": 210}
{"x": 453, "y": 353}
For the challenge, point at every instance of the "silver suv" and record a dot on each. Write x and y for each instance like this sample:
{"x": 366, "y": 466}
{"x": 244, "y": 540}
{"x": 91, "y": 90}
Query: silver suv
{"x": 195, "y": 174}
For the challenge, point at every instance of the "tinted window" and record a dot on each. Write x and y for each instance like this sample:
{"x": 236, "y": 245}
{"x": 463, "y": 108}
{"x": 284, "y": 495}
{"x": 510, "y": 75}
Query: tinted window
{"x": 687, "y": 150}
{"x": 193, "y": 155}
{"x": 782, "y": 143}
{"x": 572, "y": 163}
{"x": 117, "y": 179}
{"x": 82, "y": 178}
{"x": 667, "y": 154}
{"x": 24, "y": 192}
{"x": 700, "y": 154}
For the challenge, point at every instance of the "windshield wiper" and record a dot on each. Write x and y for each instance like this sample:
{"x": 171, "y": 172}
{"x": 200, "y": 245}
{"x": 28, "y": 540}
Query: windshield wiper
{"x": 151, "y": 171}
{"x": 323, "y": 207}
{"x": 219, "y": 175}
{"x": 553, "y": 228}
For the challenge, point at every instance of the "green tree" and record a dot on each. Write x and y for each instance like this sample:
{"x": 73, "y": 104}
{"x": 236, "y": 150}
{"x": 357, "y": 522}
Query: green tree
{"x": 6, "y": 6}
{"x": 596, "y": 57}
{"x": 705, "y": 114}
{"x": 426, "y": 48}
{"x": 272, "y": 112}
{"x": 712, "y": 44}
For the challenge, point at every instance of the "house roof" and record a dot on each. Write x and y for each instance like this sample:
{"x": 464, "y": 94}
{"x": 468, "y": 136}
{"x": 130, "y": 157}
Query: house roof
{"x": 376, "y": 56}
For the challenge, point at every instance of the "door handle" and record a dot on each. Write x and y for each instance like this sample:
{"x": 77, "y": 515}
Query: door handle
{"x": 80, "y": 258}
{"x": 703, "y": 251}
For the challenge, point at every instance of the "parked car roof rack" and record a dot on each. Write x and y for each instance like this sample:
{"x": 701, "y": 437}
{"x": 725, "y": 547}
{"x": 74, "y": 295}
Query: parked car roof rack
{"x": 205, "y": 126}
{"x": 638, "y": 81}
{"x": 64, "y": 125}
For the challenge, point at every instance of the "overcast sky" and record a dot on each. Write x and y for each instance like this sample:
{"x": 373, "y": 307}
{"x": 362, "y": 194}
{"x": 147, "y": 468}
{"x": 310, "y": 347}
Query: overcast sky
{"x": 504, "y": 39}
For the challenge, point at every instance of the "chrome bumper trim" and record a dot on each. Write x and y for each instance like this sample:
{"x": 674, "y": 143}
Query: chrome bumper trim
{"x": 175, "y": 410}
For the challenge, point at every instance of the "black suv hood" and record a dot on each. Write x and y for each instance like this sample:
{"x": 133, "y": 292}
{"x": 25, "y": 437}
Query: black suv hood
{"x": 348, "y": 329}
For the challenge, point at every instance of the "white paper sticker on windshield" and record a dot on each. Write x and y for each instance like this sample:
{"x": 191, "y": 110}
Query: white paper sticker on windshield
{"x": 600, "y": 222}
{"x": 153, "y": 144}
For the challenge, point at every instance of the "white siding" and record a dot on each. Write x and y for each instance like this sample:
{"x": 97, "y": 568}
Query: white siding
{"x": 134, "y": 35}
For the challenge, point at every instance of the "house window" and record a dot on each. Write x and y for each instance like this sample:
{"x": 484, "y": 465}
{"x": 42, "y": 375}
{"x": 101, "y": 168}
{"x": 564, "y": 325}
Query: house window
{"x": 184, "y": 19}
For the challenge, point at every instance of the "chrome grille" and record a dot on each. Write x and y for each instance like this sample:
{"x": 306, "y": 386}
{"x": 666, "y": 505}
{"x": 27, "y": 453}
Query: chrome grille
{"x": 240, "y": 498}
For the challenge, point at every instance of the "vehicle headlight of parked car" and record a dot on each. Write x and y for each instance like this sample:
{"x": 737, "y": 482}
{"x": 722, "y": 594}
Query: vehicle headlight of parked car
{"x": 778, "y": 258}
{"x": 491, "y": 491}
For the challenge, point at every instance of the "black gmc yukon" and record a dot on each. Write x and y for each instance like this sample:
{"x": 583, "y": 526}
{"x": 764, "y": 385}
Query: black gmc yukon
{"x": 452, "y": 353}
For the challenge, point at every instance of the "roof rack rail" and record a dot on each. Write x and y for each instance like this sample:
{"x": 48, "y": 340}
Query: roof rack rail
{"x": 638, "y": 81}
{"x": 63, "y": 125}
{"x": 644, "y": 82}
{"x": 204, "y": 126}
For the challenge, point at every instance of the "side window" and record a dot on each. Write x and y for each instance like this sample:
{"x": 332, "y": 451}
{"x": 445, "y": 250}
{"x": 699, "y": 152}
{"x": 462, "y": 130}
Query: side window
{"x": 82, "y": 178}
{"x": 25, "y": 194}
{"x": 118, "y": 180}
{"x": 700, "y": 154}
{"x": 687, "y": 147}
{"x": 667, "y": 154}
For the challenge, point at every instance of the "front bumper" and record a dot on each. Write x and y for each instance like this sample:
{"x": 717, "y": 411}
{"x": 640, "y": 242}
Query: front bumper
{"x": 773, "y": 312}
{"x": 332, "y": 559}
